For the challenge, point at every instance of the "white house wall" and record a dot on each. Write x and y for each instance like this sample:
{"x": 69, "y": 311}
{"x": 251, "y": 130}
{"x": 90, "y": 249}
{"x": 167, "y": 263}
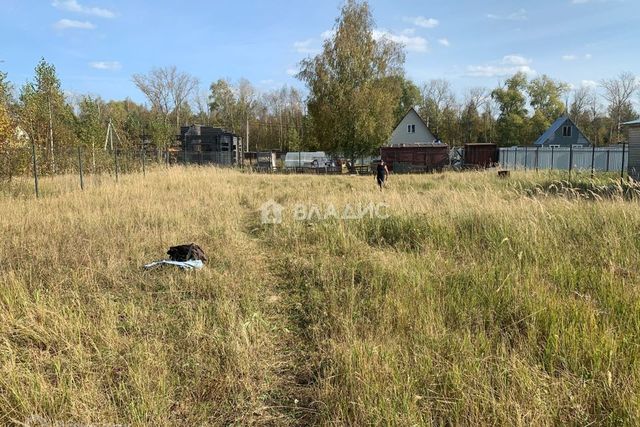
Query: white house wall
{"x": 401, "y": 134}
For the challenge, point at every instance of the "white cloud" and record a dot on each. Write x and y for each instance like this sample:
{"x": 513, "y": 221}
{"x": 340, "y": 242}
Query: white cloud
{"x": 74, "y": 6}
{"x": 519, "y": 15}
{"x": 516, "y": 60}
{"x": 406, "y": 37}
{"x": 569, "y": 57}
{"x": 498, "y": 71}
{"x": 65, "y": 24}
{"x": 509, "y": 65}
{"x": 589, "y": 83}
{"x": 412, "y": 44}
{"x": 291, "y": 72}
{"x": 588, "y": 56}
{"x": 444, "y": 42}
{"x": 106, "y": 65}
{"x": 421, "y": 21}
{"x": 305, "y": 46}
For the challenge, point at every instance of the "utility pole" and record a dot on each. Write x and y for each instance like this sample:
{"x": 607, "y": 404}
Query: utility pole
{"x": 247, "y": 131}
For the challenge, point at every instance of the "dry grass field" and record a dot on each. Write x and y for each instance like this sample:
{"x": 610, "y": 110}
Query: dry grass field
{"x": 478, "y": 301}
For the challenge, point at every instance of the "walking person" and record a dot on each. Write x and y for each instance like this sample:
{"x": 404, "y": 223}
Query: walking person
{"x": 382, "y": 173}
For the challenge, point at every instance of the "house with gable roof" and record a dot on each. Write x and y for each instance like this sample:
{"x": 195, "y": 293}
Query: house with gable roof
{"x": 411, "y": 130}
{"x": 563, "y": 133}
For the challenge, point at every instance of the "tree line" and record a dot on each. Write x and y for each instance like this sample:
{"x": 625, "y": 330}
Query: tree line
{"x": 356, "y": 91}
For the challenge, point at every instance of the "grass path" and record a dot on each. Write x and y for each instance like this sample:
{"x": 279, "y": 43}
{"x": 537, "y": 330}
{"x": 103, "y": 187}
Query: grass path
{"x": 477, "y": 302}
{"x": 285, "y": 401}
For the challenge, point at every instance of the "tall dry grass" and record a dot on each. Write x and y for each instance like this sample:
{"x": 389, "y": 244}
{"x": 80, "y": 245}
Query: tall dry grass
{"x": 477, "y": 301}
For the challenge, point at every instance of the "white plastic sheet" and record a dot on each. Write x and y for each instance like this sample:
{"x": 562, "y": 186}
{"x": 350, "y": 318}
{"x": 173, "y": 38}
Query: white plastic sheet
{"x": 194, "y": 264}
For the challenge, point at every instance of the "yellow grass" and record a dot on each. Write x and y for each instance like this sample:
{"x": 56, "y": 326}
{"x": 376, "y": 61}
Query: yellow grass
{"x": 477, "y": 302}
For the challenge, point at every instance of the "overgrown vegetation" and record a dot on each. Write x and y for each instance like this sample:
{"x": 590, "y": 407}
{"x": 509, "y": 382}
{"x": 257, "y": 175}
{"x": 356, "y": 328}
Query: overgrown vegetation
{"x": 476, "y": 302}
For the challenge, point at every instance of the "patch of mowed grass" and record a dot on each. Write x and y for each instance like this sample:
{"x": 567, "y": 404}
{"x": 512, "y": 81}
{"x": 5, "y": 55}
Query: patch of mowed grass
{"x": 485, "y": 307}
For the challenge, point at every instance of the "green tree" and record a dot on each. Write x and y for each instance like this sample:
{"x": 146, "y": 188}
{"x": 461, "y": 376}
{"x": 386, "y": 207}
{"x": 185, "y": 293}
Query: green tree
{"x": 545, "y": 97}
{"x": 6, "y": 122}
{"x": 6, "y": 90}
{"x": 353, "y": 85}
{"x": 471, "y": 120}
{"x": 437, "y": 96}
{"x": 90, "y": 124}
{"x": 45, "y": 112}
{"x": 222, "y": 104}
{"x": 511, "y": 100}
{"x": 410, "y": 97}
{"x": 294, "y": 142}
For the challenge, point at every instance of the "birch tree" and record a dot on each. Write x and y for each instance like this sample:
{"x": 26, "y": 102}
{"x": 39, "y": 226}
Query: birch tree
{"x": 618, "y": 92}
{"x": 353, "y": 85}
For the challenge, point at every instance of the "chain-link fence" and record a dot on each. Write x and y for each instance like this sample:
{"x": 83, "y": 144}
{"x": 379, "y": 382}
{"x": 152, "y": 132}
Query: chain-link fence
{"x": 35, "y": 163}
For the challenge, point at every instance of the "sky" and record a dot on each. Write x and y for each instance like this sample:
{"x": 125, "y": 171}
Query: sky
{"x": 97, "y": 45}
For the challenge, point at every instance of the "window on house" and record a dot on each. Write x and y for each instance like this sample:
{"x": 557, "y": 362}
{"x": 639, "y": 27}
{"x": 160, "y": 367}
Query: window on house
{"x": 411, "y": 128}
{"x": 566, "y": 131}
{"x": 554, "y": 146}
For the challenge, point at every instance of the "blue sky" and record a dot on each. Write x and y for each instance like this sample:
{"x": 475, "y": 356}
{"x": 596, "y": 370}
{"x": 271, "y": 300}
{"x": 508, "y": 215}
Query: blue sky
{"x": 97, "y": 45}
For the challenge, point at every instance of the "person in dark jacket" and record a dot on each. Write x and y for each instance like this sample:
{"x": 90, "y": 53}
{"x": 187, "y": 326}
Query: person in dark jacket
{"x": 382, "y": 173}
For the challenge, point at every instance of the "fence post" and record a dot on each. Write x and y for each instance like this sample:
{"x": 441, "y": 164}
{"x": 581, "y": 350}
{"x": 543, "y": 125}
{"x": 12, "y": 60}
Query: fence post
{"x": 608, "y": 154}
{"x": 515, "y": 159}
{"x": 622, "y": 167}
{"x": 552, "y": 150}
{"x": 80, "y": 167}
{"x": 115, "y": 161}
{"x": 526, "y": 157}
{"x": 35, "y": 167}
{"x": 593, "y": 160}
{"x": 570, "y": 161}
{"x": 537, "y": 157}
{"x": 144, "y": 162}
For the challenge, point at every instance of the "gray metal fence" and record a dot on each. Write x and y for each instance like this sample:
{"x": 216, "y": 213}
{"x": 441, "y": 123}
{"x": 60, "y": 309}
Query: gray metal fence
{"x": 606, "y": 159}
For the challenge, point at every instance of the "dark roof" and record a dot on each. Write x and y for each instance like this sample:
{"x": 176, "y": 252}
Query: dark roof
{"x": 554, "y": 127}
{"x": 633, "y": 123}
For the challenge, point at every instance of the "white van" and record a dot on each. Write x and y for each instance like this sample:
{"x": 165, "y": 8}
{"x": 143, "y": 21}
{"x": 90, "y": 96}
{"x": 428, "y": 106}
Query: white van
{"x": 305, "y": 159}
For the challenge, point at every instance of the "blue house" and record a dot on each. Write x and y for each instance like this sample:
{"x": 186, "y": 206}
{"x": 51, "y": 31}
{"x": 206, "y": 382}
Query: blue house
{"x": 563, "y": 133}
